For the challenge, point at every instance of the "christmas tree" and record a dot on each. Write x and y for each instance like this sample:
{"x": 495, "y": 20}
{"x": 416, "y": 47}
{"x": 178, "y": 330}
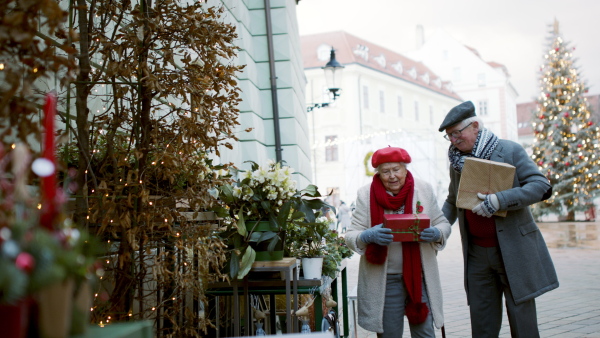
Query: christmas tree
{"x": 566, "y": 139}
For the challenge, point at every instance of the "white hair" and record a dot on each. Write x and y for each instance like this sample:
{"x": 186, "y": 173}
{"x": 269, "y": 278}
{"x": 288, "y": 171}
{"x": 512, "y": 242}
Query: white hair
{"x": 471, "y": 119}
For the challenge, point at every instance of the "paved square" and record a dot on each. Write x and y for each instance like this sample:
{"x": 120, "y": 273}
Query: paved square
{"x": 572, "y": 310}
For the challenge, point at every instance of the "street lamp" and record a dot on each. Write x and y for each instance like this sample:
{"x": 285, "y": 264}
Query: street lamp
{"x": 333, "y": 77}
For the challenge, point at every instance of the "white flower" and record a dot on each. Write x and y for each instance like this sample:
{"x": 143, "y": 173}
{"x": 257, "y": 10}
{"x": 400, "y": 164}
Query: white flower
{"x": 259, "y": 175}
{"x": 222, "y": 172}
{"x": 247, "y": 193}
{"x": 237, "y": 191}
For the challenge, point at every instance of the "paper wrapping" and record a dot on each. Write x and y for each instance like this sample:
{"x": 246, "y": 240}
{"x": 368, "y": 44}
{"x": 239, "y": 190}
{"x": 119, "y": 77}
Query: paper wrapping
{"x": 483, "y": 176}
{"x": 406, "y": 227}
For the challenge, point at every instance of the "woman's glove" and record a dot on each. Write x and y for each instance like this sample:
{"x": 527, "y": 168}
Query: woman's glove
{"x": 489, "y": 205}
{"x": 377, "y": 234}
{"x": 432, "y": 234}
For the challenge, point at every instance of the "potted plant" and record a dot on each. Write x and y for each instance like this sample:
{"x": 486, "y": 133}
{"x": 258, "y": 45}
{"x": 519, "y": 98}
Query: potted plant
{"x": 336, "y": 250}
{"x": 258, "y": 205}
{"x": 316, "y": 243}
{"x": 308, "y": 242}
{"x": 36, "y": 260}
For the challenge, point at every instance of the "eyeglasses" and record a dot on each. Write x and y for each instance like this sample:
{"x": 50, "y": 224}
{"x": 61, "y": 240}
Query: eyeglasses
{"x": 456, "y": 133}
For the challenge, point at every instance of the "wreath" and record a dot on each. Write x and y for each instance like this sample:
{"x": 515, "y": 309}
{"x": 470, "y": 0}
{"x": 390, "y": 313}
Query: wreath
{"x": 368, "y": 171}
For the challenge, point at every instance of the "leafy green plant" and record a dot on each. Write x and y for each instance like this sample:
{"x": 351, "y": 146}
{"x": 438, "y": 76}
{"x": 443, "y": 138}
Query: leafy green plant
{"x": 306, "y": 240}
{"x": 265, "y": 193}
{"x": 33, "y": 257}
{"x": 336, "y": 250}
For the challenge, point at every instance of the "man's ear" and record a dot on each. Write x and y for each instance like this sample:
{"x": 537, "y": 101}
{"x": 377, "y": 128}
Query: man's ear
{"x": 476, "y": 125}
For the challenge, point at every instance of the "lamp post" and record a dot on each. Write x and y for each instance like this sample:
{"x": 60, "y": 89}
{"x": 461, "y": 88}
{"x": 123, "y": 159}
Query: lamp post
{"x": 333, "y": 78}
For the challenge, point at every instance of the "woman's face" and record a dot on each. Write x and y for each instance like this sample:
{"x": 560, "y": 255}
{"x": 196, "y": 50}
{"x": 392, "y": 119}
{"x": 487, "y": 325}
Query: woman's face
{"x": 392, "y": 175}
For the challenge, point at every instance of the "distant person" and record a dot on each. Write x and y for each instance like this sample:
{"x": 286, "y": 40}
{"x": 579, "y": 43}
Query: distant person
{"x": 502, "y": 255}
{"x": 397, "y": 278}
{"x": 330, "y": 216}
{"x": 344, "y": 217}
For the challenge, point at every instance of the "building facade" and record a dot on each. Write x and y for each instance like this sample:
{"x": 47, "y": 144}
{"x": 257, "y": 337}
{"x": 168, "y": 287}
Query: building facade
{"x": 386, "y": 99}
{"x": 486, "y": 84}
{"x": 274, "y": 110}
{"x": 526, "y": 110}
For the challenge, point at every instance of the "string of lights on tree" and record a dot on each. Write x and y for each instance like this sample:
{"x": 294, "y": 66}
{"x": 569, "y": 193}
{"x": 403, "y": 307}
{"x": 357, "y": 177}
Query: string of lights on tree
{"x": 566, "y": 139}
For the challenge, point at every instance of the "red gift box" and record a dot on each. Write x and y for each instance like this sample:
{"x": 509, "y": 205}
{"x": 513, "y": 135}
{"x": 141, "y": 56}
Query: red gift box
{"x": 406, "y": 227}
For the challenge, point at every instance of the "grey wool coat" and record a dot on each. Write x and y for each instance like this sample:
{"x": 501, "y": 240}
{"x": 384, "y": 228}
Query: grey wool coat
{"x": 372, "y": 277}
{"x": 528, "y": 264}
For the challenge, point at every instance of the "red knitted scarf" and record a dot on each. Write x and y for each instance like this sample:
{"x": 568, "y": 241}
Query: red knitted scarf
{"x": 416, "y": 311}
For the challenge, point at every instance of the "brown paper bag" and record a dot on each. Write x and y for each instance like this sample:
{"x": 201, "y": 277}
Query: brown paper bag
{"x": 483, "y": 176}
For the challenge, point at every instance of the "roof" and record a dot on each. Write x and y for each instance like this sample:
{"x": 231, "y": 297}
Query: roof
{"x": 526, "y": 110}
{"x": 350, "y": 49}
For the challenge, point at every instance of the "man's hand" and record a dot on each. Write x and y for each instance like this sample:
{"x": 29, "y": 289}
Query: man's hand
{"x": 377, "y": 235}
{"x": 432, "y": 234}
{"x": 489, "y": 205}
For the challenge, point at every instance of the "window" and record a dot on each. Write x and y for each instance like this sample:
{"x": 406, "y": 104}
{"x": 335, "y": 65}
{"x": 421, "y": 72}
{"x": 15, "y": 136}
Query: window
{"x": 365, "y": 97}
{"x": 381, "y": 101}
{"x": 481, "y": 79}
{"x": 416, "y": 110}
{"x": 331, "y": 150}
{"x": 456, "y": 76}
{"x": 483, "y": 108}
{"x": 400, "y": 110}
{"x": 431, "y": 114}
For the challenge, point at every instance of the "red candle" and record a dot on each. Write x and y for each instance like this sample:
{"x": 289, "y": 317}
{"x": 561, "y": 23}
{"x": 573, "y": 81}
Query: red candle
{"x": 48, "y": 183}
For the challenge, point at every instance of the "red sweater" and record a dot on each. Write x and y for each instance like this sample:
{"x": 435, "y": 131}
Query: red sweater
{"x": 482, "y": 230}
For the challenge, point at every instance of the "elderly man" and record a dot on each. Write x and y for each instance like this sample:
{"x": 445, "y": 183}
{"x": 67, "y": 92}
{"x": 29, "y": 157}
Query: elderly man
{"x": 502, "y": 255}
{"x": 394, "y": 278}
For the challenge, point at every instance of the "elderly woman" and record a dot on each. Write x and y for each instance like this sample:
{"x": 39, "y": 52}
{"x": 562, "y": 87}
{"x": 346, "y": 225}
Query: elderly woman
{"x": 397, "y": 278}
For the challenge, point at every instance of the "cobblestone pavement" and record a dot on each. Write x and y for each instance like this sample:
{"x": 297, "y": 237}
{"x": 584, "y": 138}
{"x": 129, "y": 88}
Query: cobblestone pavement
{"x": 572, "y": 310}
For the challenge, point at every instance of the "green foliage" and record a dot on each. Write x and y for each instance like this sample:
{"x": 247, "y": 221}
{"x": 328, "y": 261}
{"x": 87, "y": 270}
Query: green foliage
{"x": 305, "y": 240}
{"x": 263, "y": 193}
{"x": 33, "y": 258}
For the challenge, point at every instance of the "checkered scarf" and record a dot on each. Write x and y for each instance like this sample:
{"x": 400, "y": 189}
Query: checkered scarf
{"x": 484, "y": 146}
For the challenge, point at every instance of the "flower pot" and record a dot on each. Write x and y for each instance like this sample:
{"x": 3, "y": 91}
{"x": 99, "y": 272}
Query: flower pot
{"x": 81, "y": 308}
{"x": 262, "y": 248}
{"x": 311, "y": 267}
{"x": 55, "y": 303}
{"x": 14, "y": 319}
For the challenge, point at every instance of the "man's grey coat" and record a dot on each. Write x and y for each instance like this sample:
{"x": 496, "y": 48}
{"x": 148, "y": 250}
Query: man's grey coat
{"x": 528, "y": 265}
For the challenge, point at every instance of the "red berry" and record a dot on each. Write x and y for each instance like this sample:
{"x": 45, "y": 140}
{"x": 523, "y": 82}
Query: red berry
{"x": 25, "y": 262}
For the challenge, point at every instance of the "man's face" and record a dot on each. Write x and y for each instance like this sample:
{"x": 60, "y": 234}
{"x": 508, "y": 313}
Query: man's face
{"x": 392, "y": 176}
{"x": 468, "y": 135}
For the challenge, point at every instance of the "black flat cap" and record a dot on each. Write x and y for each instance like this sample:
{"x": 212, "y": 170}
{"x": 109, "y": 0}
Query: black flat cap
{"x": 459, "y": 113}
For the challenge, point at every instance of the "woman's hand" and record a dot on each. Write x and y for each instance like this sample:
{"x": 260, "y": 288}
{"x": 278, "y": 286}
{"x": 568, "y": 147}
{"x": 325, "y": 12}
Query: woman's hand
{"x": 377, "y": 235}
{"x": 432, "y": 234}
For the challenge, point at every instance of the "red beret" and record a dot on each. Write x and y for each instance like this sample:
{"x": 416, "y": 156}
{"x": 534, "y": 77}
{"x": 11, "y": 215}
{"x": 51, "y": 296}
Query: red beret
{"x": 389, "y": 154}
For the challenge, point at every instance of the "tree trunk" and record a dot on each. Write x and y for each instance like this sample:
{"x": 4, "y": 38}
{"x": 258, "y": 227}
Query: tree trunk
{"x": 82, "y": 90}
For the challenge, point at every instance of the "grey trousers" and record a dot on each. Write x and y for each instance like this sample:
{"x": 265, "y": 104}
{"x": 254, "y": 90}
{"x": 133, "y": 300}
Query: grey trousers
{"x": 393, "y": 311}
{"x": 487, "y": 282}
